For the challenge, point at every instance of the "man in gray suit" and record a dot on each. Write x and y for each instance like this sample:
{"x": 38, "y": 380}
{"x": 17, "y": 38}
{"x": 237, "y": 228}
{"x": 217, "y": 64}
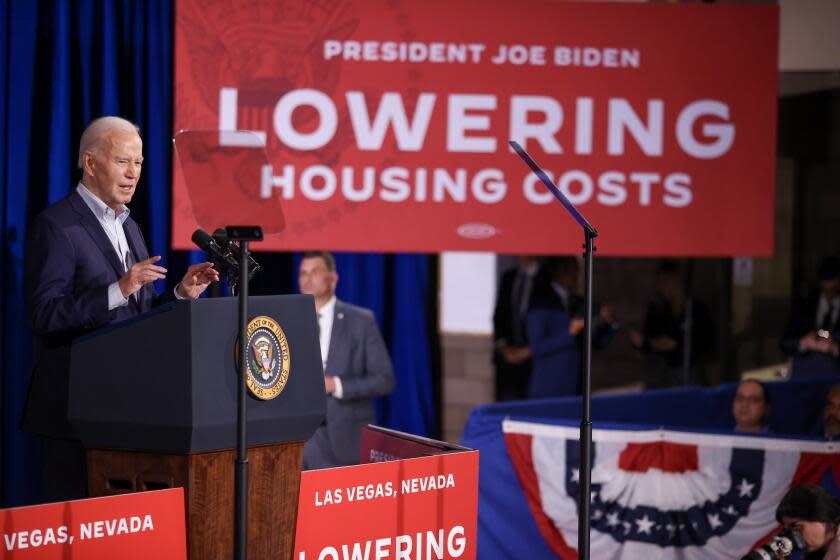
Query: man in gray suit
{"x": 357, "y": 367}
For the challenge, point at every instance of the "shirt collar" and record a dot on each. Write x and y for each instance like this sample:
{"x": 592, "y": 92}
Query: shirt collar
{"x": 830, "y": 303}
{"x": 561, "y": 291}
{"x": 99, "y": 208}
{"x": 329, "y": 308}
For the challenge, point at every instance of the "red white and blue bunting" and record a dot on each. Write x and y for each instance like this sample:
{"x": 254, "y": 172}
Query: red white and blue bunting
{"x": 661, "y": 494}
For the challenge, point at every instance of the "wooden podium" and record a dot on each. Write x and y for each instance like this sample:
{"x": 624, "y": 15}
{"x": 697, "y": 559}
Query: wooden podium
{"x": 154, "y": 402}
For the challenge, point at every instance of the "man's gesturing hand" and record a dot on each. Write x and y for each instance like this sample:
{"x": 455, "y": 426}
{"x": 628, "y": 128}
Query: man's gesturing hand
{"x": 140, "y": 274}
{"x": 196, "y": 280}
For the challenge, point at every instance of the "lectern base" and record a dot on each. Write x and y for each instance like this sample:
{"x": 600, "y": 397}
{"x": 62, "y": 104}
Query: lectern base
{"x": 207, "y": 479}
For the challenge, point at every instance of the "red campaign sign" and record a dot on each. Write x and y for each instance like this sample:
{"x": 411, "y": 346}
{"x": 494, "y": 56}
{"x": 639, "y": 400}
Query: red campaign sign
{"x": 420, "y": 508}
{"x": 386, "y": 123}
{"x": 131, "y": 526}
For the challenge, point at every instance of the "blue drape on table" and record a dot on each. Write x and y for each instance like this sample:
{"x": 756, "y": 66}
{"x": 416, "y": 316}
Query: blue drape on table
{"x": 64, "y": 63}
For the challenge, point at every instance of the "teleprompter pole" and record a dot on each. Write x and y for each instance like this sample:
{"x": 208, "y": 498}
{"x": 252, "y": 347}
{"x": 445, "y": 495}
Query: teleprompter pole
{"x": 584, "y": 497}
{"x": 240, "y": 538}
{"x": 590, "y": 233}
{"x": 240, "y": 534}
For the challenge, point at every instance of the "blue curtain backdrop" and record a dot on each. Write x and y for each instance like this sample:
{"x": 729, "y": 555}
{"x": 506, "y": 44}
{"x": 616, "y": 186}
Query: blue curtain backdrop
{"x": 63, "y": 63}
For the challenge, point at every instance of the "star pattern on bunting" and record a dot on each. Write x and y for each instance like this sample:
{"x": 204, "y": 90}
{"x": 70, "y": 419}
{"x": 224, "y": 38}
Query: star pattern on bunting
{"x": 691, "y": 526}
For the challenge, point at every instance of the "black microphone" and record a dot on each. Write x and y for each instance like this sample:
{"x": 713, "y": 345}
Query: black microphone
{"x": 220, "y": 255}
{"x": 220, "y": 236}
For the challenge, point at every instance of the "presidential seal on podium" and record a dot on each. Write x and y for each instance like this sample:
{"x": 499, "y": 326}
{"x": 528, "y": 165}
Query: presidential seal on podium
{"x": 268, "y": 358}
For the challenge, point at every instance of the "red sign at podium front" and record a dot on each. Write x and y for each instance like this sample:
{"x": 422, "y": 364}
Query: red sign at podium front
{"x": 132, "y": 526}
{"x": 413, "y": 508}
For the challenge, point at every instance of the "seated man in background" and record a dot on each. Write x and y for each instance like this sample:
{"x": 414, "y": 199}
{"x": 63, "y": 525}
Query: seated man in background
{"x": 813, "y": 330}
{"x": 356, "y": 363}
{"x": 831, "y": 413}
{"x": 751, "y": 407}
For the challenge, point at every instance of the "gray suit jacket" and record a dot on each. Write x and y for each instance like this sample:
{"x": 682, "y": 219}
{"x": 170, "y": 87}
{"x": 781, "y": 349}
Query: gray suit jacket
{"x": 358, "y": 356}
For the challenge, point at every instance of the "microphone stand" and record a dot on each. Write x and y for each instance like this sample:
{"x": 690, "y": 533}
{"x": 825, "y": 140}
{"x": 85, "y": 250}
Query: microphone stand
{"x": 585, "y": 481}
{"x": 584, "y": 497}
{"x": 243, "y": 234}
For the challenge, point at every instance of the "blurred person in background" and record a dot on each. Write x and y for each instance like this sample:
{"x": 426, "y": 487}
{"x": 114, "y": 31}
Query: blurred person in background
{"x": 813, "y": 330}
{"x": 511, "y": 354}
{"x": 357, "y": 366}
{"x": 555, "y": 330}
{"x": 662, "y": 337}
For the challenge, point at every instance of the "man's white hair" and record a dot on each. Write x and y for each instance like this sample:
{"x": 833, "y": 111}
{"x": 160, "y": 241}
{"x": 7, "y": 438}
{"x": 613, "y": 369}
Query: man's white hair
{"x": 96, "y": 131}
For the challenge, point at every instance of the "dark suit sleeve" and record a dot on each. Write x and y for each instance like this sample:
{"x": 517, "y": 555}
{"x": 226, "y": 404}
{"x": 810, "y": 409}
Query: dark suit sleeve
{"x": 378, "y": 377}
{"x": 54, "y": 303}
{"x": 502, "y": 312}
{"x": 802, "y": 320}
{"x": 602, "y": 332}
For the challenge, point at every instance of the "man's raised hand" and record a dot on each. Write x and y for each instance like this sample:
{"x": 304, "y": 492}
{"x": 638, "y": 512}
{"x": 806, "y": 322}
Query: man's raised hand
{"x": 140, "y": 274}
{"x": 196, "y": 280}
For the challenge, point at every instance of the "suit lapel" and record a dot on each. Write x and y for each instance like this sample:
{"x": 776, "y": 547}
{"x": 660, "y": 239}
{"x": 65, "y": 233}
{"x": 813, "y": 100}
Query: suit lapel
{"x": 94, "y": 229}
{"x": 138, "y": 249}
{"x": 337, "y": 335}
{"x": 135, "y": 240}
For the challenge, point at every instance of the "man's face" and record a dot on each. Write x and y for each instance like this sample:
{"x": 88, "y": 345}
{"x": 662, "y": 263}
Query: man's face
{"x": 667, "y": 285}
{"x": 831, "y": 414}
{"x": 749, "y": 407}
{"x": 315, "y": 279}
{"x": 114, "y": 168}
{"x": 566, "y": 275}
{"x": 830, "y": 288}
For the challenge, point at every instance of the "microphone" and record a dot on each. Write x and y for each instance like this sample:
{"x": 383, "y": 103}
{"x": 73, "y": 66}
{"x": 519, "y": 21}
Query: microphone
{"x": 220, "y": 255}
{"x": 221, "y": 238}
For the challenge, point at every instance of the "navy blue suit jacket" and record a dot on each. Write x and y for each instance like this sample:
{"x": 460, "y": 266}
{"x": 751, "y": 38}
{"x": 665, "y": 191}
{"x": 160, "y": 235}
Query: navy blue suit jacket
{"x": 556, "y": 353}
{"x": 68, "y": 265}
{"x": 553, "y": 349}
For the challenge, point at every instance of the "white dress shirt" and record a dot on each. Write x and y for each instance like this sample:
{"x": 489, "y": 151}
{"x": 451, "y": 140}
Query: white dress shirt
{"x": 326, "y": 316}
{"x": 826, "y": 306}
{"x": 112, "y": 224}
{"x": 564, "y": 295}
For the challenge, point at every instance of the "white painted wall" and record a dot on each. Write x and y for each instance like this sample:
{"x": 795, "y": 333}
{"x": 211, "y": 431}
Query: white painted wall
{"x": 467, "y": 293}
{"x": 809, "y": 35}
